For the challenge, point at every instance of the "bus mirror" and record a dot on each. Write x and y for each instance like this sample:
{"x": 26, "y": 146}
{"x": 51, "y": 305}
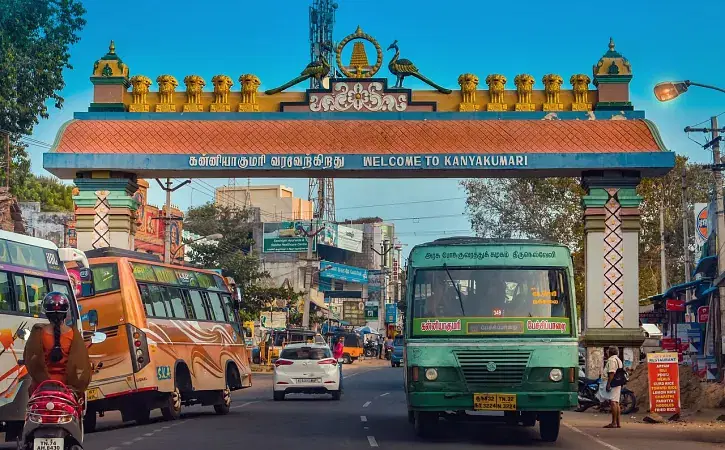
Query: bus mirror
{"x": 93, "y": 318}
{"x": 24, "y": 334}
{"x": 98, "y": 337}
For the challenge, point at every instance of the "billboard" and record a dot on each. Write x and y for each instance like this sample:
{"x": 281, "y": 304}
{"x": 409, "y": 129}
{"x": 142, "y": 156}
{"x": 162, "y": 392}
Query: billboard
{"x": 342, "y": 237}
{"x": 353, "y": 312}
{"x": 343, "y": 272}
{"x": 702, "y": 228}
{"x": 285, "y": 237}
{"x": 391, "y": 313}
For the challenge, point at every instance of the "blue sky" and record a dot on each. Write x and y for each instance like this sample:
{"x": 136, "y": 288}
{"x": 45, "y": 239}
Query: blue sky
{"x": 444, "y": 39}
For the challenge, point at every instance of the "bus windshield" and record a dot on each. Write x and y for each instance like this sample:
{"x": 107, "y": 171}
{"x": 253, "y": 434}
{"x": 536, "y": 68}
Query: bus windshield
{"x": 491, "y": 301}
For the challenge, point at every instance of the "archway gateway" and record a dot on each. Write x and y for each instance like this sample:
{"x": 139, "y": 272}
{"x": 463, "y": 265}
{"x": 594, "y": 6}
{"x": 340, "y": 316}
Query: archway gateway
{"x": 359, "y": 127}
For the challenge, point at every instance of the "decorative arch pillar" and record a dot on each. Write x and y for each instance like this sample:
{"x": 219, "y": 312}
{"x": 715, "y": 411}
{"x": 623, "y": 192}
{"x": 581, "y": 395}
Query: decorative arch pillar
{"x": 105, "y": 209}
{"x": 611, "y": 246}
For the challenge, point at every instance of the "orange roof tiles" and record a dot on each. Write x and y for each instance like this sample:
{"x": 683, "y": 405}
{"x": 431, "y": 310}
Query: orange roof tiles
{"x": 357, "y": 136}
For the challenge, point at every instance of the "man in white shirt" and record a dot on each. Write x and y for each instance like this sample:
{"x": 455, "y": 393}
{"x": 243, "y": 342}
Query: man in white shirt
{"x": 613, "y": 393}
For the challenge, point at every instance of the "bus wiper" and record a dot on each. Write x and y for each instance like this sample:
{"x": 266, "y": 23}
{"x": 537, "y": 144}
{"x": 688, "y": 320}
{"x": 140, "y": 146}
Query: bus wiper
{"x": 460, "y": 298}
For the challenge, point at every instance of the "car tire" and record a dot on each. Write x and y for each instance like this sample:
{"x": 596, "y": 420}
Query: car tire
{"x": 549, "y": 424}
{"x": 425, "y": 423}
{"x": 336, "y": 395}
{"x": 223, "y": 408}
{"x": 172, "y": 410}
{"x": 278, "y": 396}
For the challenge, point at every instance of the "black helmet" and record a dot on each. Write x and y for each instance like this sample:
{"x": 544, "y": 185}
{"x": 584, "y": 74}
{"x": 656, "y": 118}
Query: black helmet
{"x": 56, "y": 302}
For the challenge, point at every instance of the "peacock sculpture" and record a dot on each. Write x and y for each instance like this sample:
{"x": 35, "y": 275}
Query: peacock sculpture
{"x": 402, "y": 68}
{"x": 316, "y": 69}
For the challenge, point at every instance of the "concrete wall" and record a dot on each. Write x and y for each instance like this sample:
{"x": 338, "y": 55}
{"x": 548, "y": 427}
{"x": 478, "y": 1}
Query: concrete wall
{"x": 276, "y": 202}
{"x": 45, "y": 225}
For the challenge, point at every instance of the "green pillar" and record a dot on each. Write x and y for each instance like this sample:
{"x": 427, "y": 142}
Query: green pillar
{"x": 105, "y": 210}
{"x": 611, "y": 244}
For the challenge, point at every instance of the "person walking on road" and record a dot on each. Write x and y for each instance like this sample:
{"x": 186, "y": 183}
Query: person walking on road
{"x": 337, "y": 352}
{"x": 612, "y": 393}
{"x": 380, "y": 347}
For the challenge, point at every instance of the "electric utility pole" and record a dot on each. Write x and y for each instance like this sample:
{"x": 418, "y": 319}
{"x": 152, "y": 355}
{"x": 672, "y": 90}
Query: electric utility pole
{"x": 685, "y": 232}
{"x": 386, "y": 248}
{"x": 311, "y": 236}
{"x": 167, "y": 219}
{"x": 717, "y": 168}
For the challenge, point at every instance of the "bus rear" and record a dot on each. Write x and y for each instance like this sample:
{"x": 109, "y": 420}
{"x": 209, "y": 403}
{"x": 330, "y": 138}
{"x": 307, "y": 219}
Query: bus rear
{"x": 490, "y": 327}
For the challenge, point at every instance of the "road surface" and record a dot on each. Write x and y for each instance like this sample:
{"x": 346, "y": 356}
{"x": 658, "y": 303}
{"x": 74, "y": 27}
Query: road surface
{"x": 371, "y": 414}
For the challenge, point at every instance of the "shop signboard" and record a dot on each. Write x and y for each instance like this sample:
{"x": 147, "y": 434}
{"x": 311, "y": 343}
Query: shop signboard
{"x": 273, "y": 319}
{"x": 702, "y": 228}
{"x": 391, "y": 313}
{"x": 663, "y": 376}
{"x": 285, "y": 237}
{"x": 349, "y": 238}
{"x": 343, "y": 272}
{"x": 353, "y": 312}
{"x": 703, "y": 314}
{"x": 371, "y": 313}
{"x": 673, "y": 304}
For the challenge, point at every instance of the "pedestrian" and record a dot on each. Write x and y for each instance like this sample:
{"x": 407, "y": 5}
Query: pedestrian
{"x": 337, "y": 352}
{"x": 380, "y": 347}
{"x": 613, "y": 390}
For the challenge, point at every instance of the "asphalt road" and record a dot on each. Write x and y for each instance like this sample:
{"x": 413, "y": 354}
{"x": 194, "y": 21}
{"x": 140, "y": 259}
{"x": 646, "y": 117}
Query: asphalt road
{"x": 371, "y": 414}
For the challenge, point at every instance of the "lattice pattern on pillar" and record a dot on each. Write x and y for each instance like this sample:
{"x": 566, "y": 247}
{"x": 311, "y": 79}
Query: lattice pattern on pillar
{"x": 613, "y": 263}
{"x": 101, "y": 229}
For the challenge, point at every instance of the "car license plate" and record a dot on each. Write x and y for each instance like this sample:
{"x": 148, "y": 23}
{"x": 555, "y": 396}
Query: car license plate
{"x": 494, "y": 402}
{"x": 48, "y": 444}
{"x": 308, "y": 380}
{"x": 93, "y": 394}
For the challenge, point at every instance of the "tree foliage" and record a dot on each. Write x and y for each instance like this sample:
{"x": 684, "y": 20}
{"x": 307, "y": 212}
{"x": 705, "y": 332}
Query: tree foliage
{"x": 231, "y": 254}
{"x": 551, "y": 209}
{"x": 35, "y": 39}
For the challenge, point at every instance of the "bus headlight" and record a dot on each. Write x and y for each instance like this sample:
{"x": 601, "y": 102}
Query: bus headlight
{"x": 555, "y": 375}
{"x": 431, "y": 374}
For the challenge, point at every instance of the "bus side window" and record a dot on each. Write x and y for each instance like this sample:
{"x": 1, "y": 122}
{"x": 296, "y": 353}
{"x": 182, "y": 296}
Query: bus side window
{"x": 229, "y": 308}
{"x": 7, "y": 303}
{"x": 197, "y": 302}
{"x": 216, "y": 306}
{"x": 20, "y": 298}
{"x": 176, "y": 303}
{"x": 157, "y": 299}
{"x": 187, "y": 304}
{"x": 146, "y": 299}
{"x": 36, "y": 289}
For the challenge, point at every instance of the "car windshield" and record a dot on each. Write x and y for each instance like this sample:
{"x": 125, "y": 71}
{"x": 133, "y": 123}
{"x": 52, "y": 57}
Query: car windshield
{"x": 314, "y": 353}
{"x": 491, "y": 301}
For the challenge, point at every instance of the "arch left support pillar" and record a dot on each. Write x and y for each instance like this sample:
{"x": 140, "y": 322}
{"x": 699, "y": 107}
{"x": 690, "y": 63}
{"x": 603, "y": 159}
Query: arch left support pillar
{"x": 611, "y": 246}
{"x": 105, "y": 209}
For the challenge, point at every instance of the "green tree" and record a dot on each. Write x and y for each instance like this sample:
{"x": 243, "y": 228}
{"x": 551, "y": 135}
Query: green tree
{"x": 231, "y": 254}
{"x": 35, "y": 38}
{"x": 551, "y": 209}
{"x": 53, "y": 195}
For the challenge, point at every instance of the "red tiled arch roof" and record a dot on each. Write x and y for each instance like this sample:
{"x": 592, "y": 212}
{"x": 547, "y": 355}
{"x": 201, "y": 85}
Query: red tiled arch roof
{"x": 357, "y": 136}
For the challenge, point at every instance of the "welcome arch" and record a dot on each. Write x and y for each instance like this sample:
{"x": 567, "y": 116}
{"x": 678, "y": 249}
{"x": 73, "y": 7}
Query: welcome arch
{"x": 359, "y": 127}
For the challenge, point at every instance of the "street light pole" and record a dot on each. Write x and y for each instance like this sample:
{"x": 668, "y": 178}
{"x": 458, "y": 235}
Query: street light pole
{"x": 685, "y": 232}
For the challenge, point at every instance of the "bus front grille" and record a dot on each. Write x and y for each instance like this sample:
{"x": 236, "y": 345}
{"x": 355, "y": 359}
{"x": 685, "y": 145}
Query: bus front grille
{"x": 493, "y": 367}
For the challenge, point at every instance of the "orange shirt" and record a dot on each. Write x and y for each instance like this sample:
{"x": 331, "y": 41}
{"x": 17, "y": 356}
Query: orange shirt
{"x": 56, "y": 370}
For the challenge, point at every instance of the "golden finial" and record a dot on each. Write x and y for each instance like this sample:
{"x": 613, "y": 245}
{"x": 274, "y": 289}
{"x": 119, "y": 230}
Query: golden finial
{"x": 112, "y": 48}
{"x": 611, "y": 44}
{"x": 359, "y": 30}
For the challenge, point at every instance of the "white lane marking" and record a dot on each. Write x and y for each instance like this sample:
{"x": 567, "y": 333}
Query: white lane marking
{"x": 366, "y": 404}
{"x": 244, "y": 404}
{"x": 165, "y": 428}
{"x": 136, "y": 439}
{"x": 372, "y": 441}
{"x": 360, "y": 373}
{"x": 112, "y": 448}
{"x": 148, "y": 434}
{"x": 127, "y": 443}
{"x": 383, "y": 395}
{"x": 595, "y": 439}
{"x": 366, "y": 428}
{"x": 363, "y": 419}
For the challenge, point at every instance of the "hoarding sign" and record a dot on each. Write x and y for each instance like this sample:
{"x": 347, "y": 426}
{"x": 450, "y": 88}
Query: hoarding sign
{"x": 702, "y": 228}
{"x": 663, "y": 376}
{"x": 391, "y": 313}
{"x": 285, "y": 237}
{"x": 343, "y": 272}
{"x": 371, "y": 313}
{"x": 353, "y": 312}
{"x": 672, "y": 304}
{"x": 349, "y": 239}
{"x": 703, "y": 314}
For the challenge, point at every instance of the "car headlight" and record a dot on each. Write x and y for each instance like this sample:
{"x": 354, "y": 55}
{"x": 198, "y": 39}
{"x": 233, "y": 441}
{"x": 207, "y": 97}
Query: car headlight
{"x": 431, "y": 374}
{"x": 555, "y": 375}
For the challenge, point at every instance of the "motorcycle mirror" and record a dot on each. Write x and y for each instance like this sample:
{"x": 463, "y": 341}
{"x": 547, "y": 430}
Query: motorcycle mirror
{"x": 98, "y": 337}
{"x": 24, "y": 334}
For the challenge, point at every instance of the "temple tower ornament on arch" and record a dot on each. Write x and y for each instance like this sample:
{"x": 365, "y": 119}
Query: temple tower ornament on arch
{"x": 222, "y": 87}
{"x": 167, "y": 87}
{"x": 359, "y": 66}
{"x": 139, "y": 90}
{"x": 496, "y": 90}
{"x": 552, "y": 89}
{"x": 524, "y": 87}
{"x": 194, "y": 87}
{"x": 469, "y": 85}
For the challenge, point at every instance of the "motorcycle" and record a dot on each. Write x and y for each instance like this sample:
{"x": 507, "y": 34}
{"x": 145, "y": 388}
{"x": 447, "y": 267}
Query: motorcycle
{"x": 53, "y": 419}
{"x": 371, "y": 349}
{"x": 587, "y": 393}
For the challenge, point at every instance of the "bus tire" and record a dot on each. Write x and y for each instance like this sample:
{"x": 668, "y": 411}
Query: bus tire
{"x": 223, "y": 408}
{"x": 425, "y": 423}
{"x": 172, "y": 410}
{"x": 549, "y": 424}
{"x": 89, "y": 421}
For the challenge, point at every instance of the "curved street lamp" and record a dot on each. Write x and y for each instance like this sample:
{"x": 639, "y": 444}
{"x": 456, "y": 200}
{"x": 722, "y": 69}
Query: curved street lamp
{"x": 669, "y": 90}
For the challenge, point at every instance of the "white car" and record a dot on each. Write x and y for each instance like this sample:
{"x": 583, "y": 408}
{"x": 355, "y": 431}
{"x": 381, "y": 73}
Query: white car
{"x": 306, "y": 369}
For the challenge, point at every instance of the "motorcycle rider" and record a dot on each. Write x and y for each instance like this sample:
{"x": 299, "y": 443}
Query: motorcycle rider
{"x": 56, "y": 351}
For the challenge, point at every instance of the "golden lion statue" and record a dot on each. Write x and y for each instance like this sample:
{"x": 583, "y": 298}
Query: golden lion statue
{"x": 552, "y": 87}
{"x": 469, "y": 84}
{"x": 524, "y": 86}
{"x": 250, "y": 84}
{"x": 194, "y": 85}
{"x": 222, "y": 86}
{"x": 139, "y": 88}
{"x": 496, "y": 87}
{"x": 167, "y": 86}
{"x": 580, "y": 83}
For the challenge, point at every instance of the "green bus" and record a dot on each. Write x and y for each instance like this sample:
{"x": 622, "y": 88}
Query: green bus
{"x": 490, "y": 326}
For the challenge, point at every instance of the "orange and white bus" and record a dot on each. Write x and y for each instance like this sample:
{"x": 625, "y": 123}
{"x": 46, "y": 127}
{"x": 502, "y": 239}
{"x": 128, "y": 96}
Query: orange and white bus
{"x": 173, "y": 337}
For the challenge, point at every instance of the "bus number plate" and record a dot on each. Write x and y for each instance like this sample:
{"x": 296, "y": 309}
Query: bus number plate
{"x": 494, "y": 402}
{"x": 93, "y": 394}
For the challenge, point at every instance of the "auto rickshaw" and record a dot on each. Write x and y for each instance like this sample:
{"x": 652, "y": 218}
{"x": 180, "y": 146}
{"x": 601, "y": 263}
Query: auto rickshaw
{"x": 352, "y": 346}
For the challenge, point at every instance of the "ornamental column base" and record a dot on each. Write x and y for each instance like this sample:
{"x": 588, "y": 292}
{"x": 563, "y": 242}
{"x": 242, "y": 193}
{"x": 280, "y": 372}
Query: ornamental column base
{"x": 105, "y": 210}
{"x": 598, "y": 340}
